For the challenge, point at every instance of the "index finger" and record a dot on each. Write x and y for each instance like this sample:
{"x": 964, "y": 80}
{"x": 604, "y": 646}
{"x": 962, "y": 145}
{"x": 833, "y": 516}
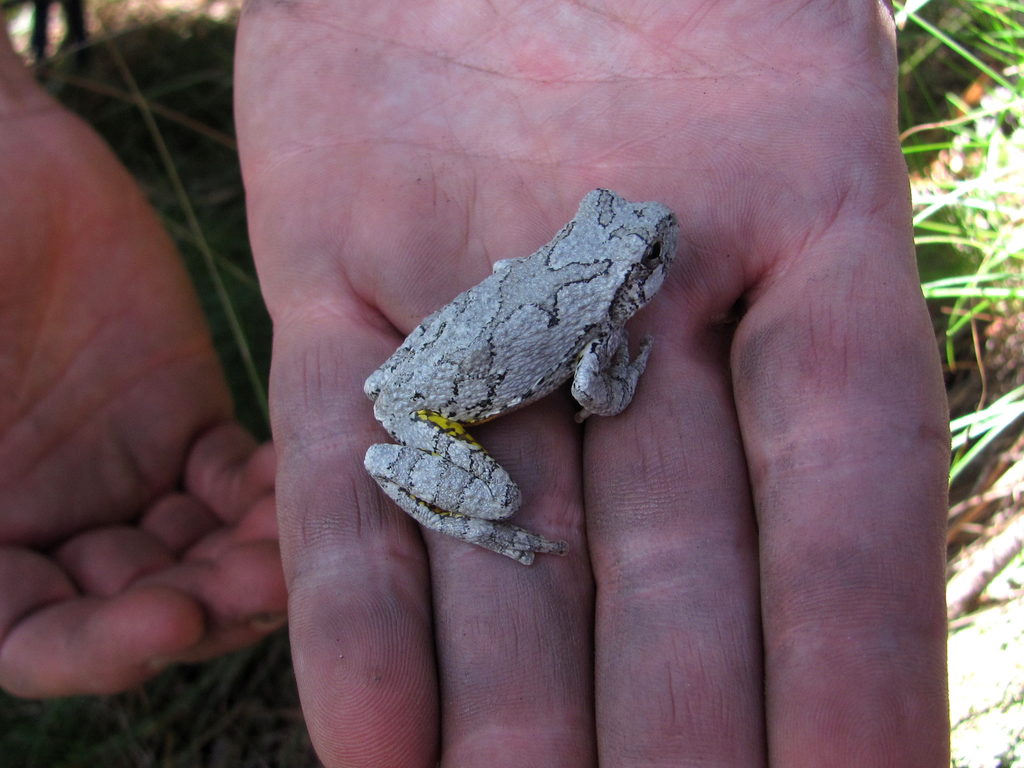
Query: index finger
{"x": 359, "y": 603}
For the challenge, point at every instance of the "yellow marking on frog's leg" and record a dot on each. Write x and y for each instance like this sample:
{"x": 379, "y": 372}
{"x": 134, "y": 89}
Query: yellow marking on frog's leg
{"x": 436, "y": 510}
{"x": 448, "y": 426}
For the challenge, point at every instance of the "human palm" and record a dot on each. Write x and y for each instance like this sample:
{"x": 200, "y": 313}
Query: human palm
{"x": 762, "y": 549}
{"x": 136, "y": 518}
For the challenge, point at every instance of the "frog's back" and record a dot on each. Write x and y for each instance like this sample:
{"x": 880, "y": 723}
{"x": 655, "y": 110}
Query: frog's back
{"x": 509, "y": 340}
{"x": 516, "y": 336}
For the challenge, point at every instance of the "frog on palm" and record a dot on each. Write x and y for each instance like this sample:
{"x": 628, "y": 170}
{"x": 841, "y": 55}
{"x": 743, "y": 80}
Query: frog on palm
{"x": 529, "y": 327}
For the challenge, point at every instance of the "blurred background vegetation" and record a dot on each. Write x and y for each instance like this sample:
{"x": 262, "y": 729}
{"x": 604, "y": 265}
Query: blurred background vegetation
{"x": 241, "y": 710}
{"x": 962, "y": 101}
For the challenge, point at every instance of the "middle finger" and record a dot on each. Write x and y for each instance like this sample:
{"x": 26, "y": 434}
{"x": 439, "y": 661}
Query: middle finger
{"x": 514, "y": 642}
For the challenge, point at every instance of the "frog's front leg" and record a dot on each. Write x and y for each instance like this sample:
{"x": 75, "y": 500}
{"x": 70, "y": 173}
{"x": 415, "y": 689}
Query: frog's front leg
{"x": 605, "y": 378}
{"x": 445, "y": 480}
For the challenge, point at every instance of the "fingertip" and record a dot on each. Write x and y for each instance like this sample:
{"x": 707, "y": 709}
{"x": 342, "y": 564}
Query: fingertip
{"x": 179, "y": 521}
{"x": 133, "y": 637}
{"x": 263, "y": 465}
{"x": 260, "y": 523}
{"x": 30, "y": 581}
{"x": 104, "y": 561}
{"x": 230, "y": 473}
{"x": 232, "y": 580}
{"x": 217, "y": 470}
{"x": 243, "y": 595}
{"x": 160, "y": 619}
{"x": 98, "y": 646}
{"x": 225, "y": 443}
{"x": 249, "y": 581}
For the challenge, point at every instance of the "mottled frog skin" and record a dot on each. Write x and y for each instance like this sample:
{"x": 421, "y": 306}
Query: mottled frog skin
{"x": 528, "y": 328}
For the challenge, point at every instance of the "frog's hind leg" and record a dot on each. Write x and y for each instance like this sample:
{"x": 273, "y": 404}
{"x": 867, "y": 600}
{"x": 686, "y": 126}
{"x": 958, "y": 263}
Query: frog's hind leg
{"x": 446, "y": 480}
{"x": 440, "y": 463}
{"x": 438, "y": 481}
{"x": 503, "y": 538}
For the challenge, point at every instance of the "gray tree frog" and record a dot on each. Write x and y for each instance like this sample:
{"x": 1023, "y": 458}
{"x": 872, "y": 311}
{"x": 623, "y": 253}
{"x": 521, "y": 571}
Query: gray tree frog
{"x": 529, "y": 327}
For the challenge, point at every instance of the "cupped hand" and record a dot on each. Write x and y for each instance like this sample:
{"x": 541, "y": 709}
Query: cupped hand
{"x": 755, "y": 545}
{"x": 137, "y": 520}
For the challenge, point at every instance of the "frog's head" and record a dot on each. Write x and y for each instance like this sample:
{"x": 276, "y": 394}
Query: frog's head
{"x": 642, "y": 268}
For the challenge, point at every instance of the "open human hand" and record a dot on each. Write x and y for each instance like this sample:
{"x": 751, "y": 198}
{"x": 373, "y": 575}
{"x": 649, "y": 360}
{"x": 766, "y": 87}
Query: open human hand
{"x": 755, "y": 557}
{"x": 137, "y": 519}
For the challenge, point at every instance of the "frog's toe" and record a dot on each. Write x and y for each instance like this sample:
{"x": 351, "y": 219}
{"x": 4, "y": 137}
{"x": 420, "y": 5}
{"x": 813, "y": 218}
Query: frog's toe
{"x": 526, "y": 558}
{"x": 519, "y": 544}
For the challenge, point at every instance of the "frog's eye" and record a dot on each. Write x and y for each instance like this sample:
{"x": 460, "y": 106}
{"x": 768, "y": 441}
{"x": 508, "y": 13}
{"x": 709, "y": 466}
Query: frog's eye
{"x": 652, "y": 258}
